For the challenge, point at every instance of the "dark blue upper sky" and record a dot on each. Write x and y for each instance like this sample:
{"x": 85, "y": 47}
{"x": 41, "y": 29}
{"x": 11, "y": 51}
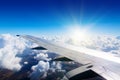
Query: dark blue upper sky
{"x": 51, "y": 16}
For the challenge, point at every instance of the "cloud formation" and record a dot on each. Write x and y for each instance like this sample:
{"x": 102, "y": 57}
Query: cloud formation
{"x": 10, "y": 46}
{"x": 14, "y": 53}
{"x": 39, "y": 70}
{"x": 14, "y": 50}
{"x": 105, "y": 43}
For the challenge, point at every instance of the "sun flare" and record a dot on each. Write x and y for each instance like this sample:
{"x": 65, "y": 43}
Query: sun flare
{"x": 78, "y": 34}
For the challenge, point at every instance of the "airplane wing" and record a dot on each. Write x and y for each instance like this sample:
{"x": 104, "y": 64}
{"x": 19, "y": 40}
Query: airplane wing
{"x": 102, "y": 63}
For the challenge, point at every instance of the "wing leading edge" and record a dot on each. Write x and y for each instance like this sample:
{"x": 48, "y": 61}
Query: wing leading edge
{"x": 103, "y": 63}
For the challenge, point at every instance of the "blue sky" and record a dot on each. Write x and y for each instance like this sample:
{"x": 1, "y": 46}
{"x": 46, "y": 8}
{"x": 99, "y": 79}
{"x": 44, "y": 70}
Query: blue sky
{"x": 52, "y": 16}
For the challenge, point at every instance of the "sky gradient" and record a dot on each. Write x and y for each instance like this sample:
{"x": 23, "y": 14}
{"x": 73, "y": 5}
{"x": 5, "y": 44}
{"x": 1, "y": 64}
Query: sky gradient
{"x": 52, "y": 16}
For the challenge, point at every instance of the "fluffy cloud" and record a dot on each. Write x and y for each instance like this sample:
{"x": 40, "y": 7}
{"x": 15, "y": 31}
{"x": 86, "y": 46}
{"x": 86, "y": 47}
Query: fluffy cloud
{"x": 39, "y": 70}
{"x": 10, "y": 46}
{"x": 42, "y": 56}
{"x": 14, "y": 50}
{"x": 105, "y": 43}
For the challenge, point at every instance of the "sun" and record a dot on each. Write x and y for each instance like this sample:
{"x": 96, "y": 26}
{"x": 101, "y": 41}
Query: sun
{"x": 78, "y": 34}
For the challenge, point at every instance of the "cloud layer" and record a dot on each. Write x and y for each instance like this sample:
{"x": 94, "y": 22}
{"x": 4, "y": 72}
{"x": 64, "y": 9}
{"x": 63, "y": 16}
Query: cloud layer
{"x": 10, "y": 46}
{"x": 14, "y": 50}
{"x": 105, "y": 43}
{"x": 15, "y": 53}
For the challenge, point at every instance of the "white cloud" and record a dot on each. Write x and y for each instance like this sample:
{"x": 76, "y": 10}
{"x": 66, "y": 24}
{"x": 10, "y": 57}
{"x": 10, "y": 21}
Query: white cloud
{"x": 39, "y": 70}
{"x": 10, "y": 46}
{"x": 56, "y": 65}
{"x": 105, "y": 43}
{"x": 42, "y": 56}
{"x": 14, "y": 49}
{"x": 41, "y": 66}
